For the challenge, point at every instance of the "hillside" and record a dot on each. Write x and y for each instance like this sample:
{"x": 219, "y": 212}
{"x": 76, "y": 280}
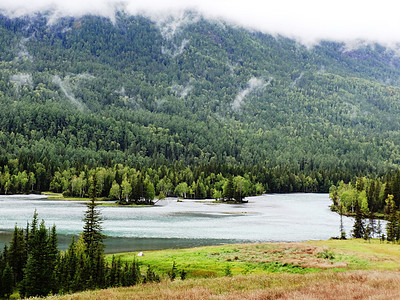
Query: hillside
{"x": 88, "y": 91}
{"x": 333, "y": 269}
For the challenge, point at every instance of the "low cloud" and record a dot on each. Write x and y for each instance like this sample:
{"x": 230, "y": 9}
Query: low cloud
{"x": 253, "y": 85}
{"x": 22, "y": 79}
{"x": 171, "y": 23}
{"x": 296, "y": 81}
{"x": 307, "y": 21}
{"x": 174, "y": 50}
{"x": 23, "y": 50}
{"x": 182, "y": 91}
{"x": 65, "y": 87}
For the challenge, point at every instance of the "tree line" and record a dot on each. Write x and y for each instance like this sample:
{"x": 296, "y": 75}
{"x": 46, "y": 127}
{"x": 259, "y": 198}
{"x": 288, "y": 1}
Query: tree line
{"x": 369, "y": 199}
{"x": 132, "y": 109}
{"x": 140, "y": 185}
{"x": 33, "y": 265}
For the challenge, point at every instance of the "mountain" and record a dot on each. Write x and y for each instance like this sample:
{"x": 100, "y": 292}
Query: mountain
{"x": 91, "y": 91}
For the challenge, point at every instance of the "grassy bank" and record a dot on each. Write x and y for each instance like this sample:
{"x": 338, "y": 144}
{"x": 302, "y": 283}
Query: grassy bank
{"x": 59, "y": 196}
{"x": 107, "y": 202}
{"x": 333, "y": 269}
{"x": 332, "y": 285}
{"x": 244, "y": 259}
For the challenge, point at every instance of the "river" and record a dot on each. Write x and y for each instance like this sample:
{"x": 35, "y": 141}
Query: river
{"x": 187, "y": 223}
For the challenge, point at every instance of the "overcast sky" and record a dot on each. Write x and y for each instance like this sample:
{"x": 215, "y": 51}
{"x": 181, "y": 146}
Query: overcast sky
{"x": 306, "y": 20}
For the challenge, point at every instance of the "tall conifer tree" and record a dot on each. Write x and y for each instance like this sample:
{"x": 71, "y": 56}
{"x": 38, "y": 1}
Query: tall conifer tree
{"x": 358, "y": 228}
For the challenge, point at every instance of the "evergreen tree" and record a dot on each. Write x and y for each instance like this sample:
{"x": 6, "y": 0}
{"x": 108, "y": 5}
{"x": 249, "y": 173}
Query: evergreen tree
{"x": 112, "y": 276}
{"x": 183, "y": 274}
{"x": 172, "y": 272}
{"x": 358, "y": 227}
{"x": 71, "y": 267}
{"x": 2, "y": 267}
{"x": 131, "y": 274}
{"x": 341, "y": 227}
{"x": 367, "y": 233}
{"x": 93, "y": 242}
{"x": 92, "y": 235}
{"x": 7, "y": 282}
{"x": 379, "y": 230}
{"x": 151, "y": 276}
{"x": 18, "y": 254}
{"x": 38, "y": 275}
{"x": 392, "y": 219}
{"x": 54, "y": 256}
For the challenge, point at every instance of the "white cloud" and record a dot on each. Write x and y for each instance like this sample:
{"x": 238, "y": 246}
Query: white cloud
{"x": 306, "y": 20}
{"x": 66, "y": 89}
{"x": 175, "y": 50}
{"x": 22, "y": 79}
{"x": 182, "y": 91}
{"x": 254, "y": 84}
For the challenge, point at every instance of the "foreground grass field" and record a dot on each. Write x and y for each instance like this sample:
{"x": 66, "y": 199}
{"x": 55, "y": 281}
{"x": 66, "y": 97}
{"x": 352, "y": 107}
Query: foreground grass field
{"x": 334, "y": 269}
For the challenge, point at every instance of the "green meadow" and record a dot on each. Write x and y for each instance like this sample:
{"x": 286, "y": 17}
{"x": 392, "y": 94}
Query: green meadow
{"x": 332, "y": 269}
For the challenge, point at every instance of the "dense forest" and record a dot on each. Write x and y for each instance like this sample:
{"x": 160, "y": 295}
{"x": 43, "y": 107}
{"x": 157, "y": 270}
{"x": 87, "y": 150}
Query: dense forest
{"x": 373, "y": 194}
{"x": 127, "y": 184}
{"x": 135, "y": 108}
{"x": 369, "y": 198}
{"x": 84, "y": 93}
{"x": 34, "y": 266}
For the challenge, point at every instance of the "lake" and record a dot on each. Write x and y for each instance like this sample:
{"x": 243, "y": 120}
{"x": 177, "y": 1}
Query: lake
{"x": 187, "y": 223}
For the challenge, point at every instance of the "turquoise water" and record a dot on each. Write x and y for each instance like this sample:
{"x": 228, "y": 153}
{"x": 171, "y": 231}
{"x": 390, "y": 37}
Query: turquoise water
{"x": 173, "y": 224}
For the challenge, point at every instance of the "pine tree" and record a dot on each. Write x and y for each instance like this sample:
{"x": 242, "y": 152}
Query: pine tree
{"x": 112, "y": 273}
{"x": 7, "y": 281}
{"x": 151, "y": 276}
{"x": 367, "y": 233}
{"x": 93, "y": 242}
{"x": 92, "y": 235}
{"x": 2, "y": 267}
{"x": 172, "y": 272}
{"x": 54, "y": 256}
{"x": 392, "y": 219}
{"x": 38, "y": 274}
{"x": 358, "y": 227}
{"x": 397, "y": 228}
{"x": 132, "y": 274}
{"x": 183, "y": 274}
{"x": 18, "y": 254}
{"x": 67, "y": 268}
{"x": 379, "y": 230}
{"x": 341, "y": 228}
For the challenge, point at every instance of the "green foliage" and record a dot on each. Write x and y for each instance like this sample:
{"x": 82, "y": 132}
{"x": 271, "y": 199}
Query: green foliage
{"x": 40, "y": 266}
{"x": 392, "y": 224}
{"x": 172, "y": 272}
{"x": 81, "y": 267}
{"x": 183, "y": 274}
{"x": 358, "y": 227}
{"x": 326, "y": 254}
{"x": 91, "y": 93}
{"x": 151, "y": 276}
{"x": 17, "y": 255}
{"x": 7, "y": 281}
{"x": 227, "y": 270}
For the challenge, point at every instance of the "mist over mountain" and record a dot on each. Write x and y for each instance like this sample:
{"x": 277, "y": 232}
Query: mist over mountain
{"x": 307, "y": 21}
{"x": 131, "y": 89}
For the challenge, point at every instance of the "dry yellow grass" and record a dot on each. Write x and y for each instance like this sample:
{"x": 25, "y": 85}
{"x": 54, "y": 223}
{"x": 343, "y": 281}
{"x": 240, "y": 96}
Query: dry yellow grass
{"x": 331, "y": 285}
{"x": 356, "y": 270}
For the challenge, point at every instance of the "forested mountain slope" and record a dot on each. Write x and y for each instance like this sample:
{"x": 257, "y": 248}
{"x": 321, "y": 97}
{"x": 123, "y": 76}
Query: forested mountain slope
{"x": 93, "y": 92}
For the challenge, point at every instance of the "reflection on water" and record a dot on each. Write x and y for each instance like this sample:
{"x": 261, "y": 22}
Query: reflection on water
{"x": 173, "y": 224}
